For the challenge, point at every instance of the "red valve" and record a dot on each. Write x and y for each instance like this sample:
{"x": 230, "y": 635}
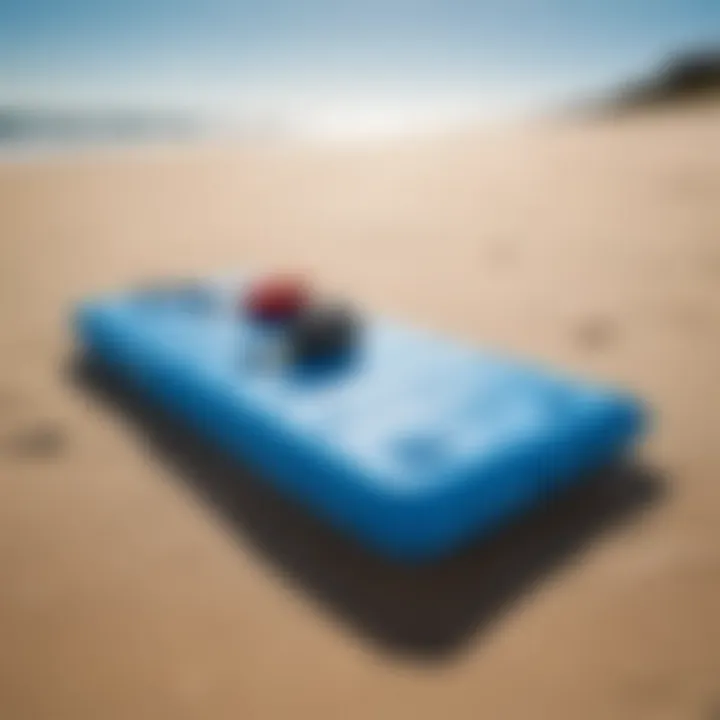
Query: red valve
{"x": 277, "y": 298}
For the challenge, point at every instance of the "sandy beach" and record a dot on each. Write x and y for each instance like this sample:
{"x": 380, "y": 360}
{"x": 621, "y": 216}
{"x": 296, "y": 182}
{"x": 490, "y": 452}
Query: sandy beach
{"x": 129, "y": 590}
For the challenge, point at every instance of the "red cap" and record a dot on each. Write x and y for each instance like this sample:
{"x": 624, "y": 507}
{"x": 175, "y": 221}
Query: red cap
{"x": 277, "y": 297}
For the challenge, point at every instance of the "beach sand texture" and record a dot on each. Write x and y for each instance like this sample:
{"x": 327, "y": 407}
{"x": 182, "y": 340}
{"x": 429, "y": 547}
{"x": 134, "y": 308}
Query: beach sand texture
{"x": 136, "y": 581}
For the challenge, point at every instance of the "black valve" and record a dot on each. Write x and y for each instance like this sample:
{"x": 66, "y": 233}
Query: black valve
{"x": 326, "y": 331}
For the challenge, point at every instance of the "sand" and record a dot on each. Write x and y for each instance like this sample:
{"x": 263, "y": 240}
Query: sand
{"x": 139, "y": 582}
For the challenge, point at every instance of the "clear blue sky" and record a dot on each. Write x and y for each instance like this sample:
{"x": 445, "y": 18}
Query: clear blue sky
{"x": 232, "y": 50}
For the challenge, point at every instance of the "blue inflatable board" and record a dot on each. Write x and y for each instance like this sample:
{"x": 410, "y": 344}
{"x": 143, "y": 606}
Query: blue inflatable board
{"x": 416, "y": 445}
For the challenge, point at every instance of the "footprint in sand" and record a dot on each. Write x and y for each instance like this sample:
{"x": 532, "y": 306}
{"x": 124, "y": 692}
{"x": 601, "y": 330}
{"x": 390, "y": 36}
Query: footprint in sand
{"x": 40, "y": 441}
{"x": 595, "y": 333}
{"x": 710, "y": 265}
{"x": 692, "y": 185}
{"x": 25, "y": 438}
{"x": 501, "y": 254}
{"x": 689, "y": 318}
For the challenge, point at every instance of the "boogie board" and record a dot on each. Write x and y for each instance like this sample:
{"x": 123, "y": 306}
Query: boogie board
{"x": 415, "y": 444}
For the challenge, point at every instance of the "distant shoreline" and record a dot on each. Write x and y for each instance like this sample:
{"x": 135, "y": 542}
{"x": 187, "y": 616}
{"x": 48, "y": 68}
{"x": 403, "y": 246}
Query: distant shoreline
{"x": 29, "y": 151}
